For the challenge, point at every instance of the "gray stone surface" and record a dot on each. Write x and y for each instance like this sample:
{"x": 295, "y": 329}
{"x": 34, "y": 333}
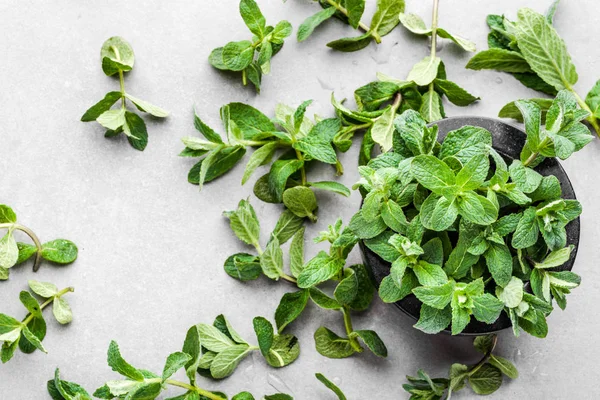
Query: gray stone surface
{"x": 152, "y": 246}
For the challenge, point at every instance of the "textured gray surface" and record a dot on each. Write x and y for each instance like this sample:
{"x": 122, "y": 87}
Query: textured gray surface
{"x": 152, "y": 247}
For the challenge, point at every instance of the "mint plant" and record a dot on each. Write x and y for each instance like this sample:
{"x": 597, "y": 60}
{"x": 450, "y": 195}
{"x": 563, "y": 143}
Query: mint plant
{"x": 351, "y": 12}
{"x": 209, "y": 350}
{"x": 59, "y": 251}
{"x": 354, "y": 290}
{"x": 117, "y": 58}
{"x": 465, "y": 235}
{"x": 252, "y": 57}
{"x": 29, "y": 333}
{"x": 379, "y": 102}
{"x": 299, "y": 140}
{"x": 484, "y": 378}
{"x": 533, "y": 52}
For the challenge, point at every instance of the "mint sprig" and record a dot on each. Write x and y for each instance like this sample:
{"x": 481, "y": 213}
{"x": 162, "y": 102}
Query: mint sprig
{"x": 353, "y": 292}
{"x": 117, "y": 58}
{"x": 484, "y": 378}
{"x": 252, "y": 57}
{"x": 59, "y": 251}
{"x": 29, "y": 333}
{"x": 532, "y": 51}
{"x": 351, "y": 12}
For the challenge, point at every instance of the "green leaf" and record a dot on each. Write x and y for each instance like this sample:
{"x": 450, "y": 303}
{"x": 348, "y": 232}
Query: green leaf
{"x": 264, "y": 334}
{"x": 301, "y": 201}
{"x": 512, "y": 294}
{"x": 527, "y": 232}
{"x": 465, "y": 143}
{"x": 285, "y": 350}
{"x": 119, "y": 365}
{"x": 433, "y": 320}
{"x": 499, "y": 262}
{"x": 365, "y": 291}
{"x": 382, "y": 131}
{"x": 281, "y": 170}
{"x": 385, "y": 18}
{"x": 505, "y": 366}
{"x": 431, "y": 106}
{"x": 473, "y": 173}
{"x": 432, "y": 173}
{"x": 60, "y": 251}
{"x": 465, "y": 44}
{"x": 476, "y": 208}
{"x": 460, "y": 319}
{"x": 287, "y": 225}
{"x": 544, "y": 50}
{"x": 271, "y": 261}
{"x": 63, "y": 390}
{"x": 308, "y": 26}
{"x": 373, "y": 342}
{"x": 116, "y": 55}
{"x": 221, "y": 160}
{"x": 243, "y": 266}
{"x": 435, "y": 296}
{"x": 320, "y": 269}
{"x": 213, "y": 339}
{"x": 62, "y": 311}
{"x": 238, "y": 55}
{"x": 101, "y": 107}
{"x": 147, "y": 107}
{"x": 330, "y": 385}
{"x": 7, "y": 215}
{"x": 30, "y": 304}
{"x": 244, "y": 222}
{"x": 371, "y": 96}
{"x": 317, "y": 144}
{"x": 487, "y": 308}
{"x": 346, "y": 291}
{"x": 193, "y": 348}
{"x": 556, "y": 258}
{"x": 438, "y": 213}
{"x": 297, "y": 253}
{"x": 243, "y": 396}
{"x": 500, "y": 60}
{"x": 253, "y": 17}
{"x": 415, "y": 24}
{"x": 9, "y": 252}
{"x": 4, "y": 274}
{"x": 351, "y": 44}
{"x": 227, "y": 360}
{"x": 112, "y": 119}
{"x": 43, "y": 289}
{"x": 486, "y": 380}
{"x": 322, "y": 300}
{"x": 25, "y": 252}
{"x": 290, "y": 307}
{"x": 527, "y": 179}
{"x": 135, "y": 129}
{"x": 260, "y": 157}
{"x": 510, "y": 110}
{"x": 425, "y": 71}
{"x": 330, "y": 345}
{"x": 455, "y": 94}
{"x": 206, "y": 130}
{"x": 355, "y": 10}
{"x": 174, "y": 363}
{"x": 429, "y": 274}
{"x": 334, "y": 187}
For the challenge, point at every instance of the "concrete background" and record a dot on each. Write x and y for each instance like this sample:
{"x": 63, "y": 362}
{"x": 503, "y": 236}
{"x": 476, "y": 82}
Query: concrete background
{"x": 152, "y": 247}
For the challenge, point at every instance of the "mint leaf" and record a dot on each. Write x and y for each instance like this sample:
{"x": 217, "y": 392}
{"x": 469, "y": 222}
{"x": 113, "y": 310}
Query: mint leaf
{"x": 243, "y": 266}
{"x": 226, "y": 361}
{"x": 330, "y": 345}
{"x": 373, "y": 342}
{"x": 435, "y": 296}
{"x": 311, "y": 23}
{"x": 290, "y": 307}
{"x": 433, "y": 320}
{"x": 60, "y": 251}
{"x": 486, "y": 380}
{"x": 320, "y": 269}
{"x": 425, "y": 71}
{"x": 500, "y": 60}
{"x": 119, "y": 365}
{"x": 301, "y": 201}
{"x": 330, "y": 385}
{"x": 271, "y": 261}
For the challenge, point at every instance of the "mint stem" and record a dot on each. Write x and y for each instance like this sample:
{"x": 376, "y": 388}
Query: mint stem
{"x": 434, "y": 26}
{"x": 196, "y": 389}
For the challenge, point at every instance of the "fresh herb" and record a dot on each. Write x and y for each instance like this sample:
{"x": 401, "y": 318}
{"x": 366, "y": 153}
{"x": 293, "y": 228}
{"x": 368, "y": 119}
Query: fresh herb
{"x": 533, "y": 52}
{"x": 353, "y": 292}
{"x": 59, "y": 251}
{"x": 209, "y": 350}
{"x": 380, "y": 102}
{"x": 252, "y": 57}
{"x": 28, "y": 334}
{"x": 350, "y": 12}
{"x": 510, "y": 220}
{"x": 117, "y": 58}
{"x": 331, "y": 386}
{"x": 484, "y": 378}
{"x": 299, "y": 140}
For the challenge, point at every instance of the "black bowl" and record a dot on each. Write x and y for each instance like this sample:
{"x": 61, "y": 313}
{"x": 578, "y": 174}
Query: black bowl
{"x": 508, "y": 141}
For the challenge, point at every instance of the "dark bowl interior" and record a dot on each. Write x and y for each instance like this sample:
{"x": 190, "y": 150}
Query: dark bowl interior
{"x": 508, "y": 141}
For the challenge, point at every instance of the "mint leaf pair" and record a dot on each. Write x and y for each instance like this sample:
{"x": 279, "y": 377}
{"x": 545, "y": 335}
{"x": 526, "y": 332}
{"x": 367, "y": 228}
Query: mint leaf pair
{"x": 117, "y": 57}
{"x": 59, "y": 251}
{"x": 532, "y": 51}
{"x": 484, "y": 378}
{"x": 351, "y": 12}
{"x": 252, "y": 57}
{"x": 29, "y": 333}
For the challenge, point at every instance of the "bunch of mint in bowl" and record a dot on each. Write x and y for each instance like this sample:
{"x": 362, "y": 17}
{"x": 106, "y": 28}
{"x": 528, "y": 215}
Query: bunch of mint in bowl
{"x": 471, "y": 226}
